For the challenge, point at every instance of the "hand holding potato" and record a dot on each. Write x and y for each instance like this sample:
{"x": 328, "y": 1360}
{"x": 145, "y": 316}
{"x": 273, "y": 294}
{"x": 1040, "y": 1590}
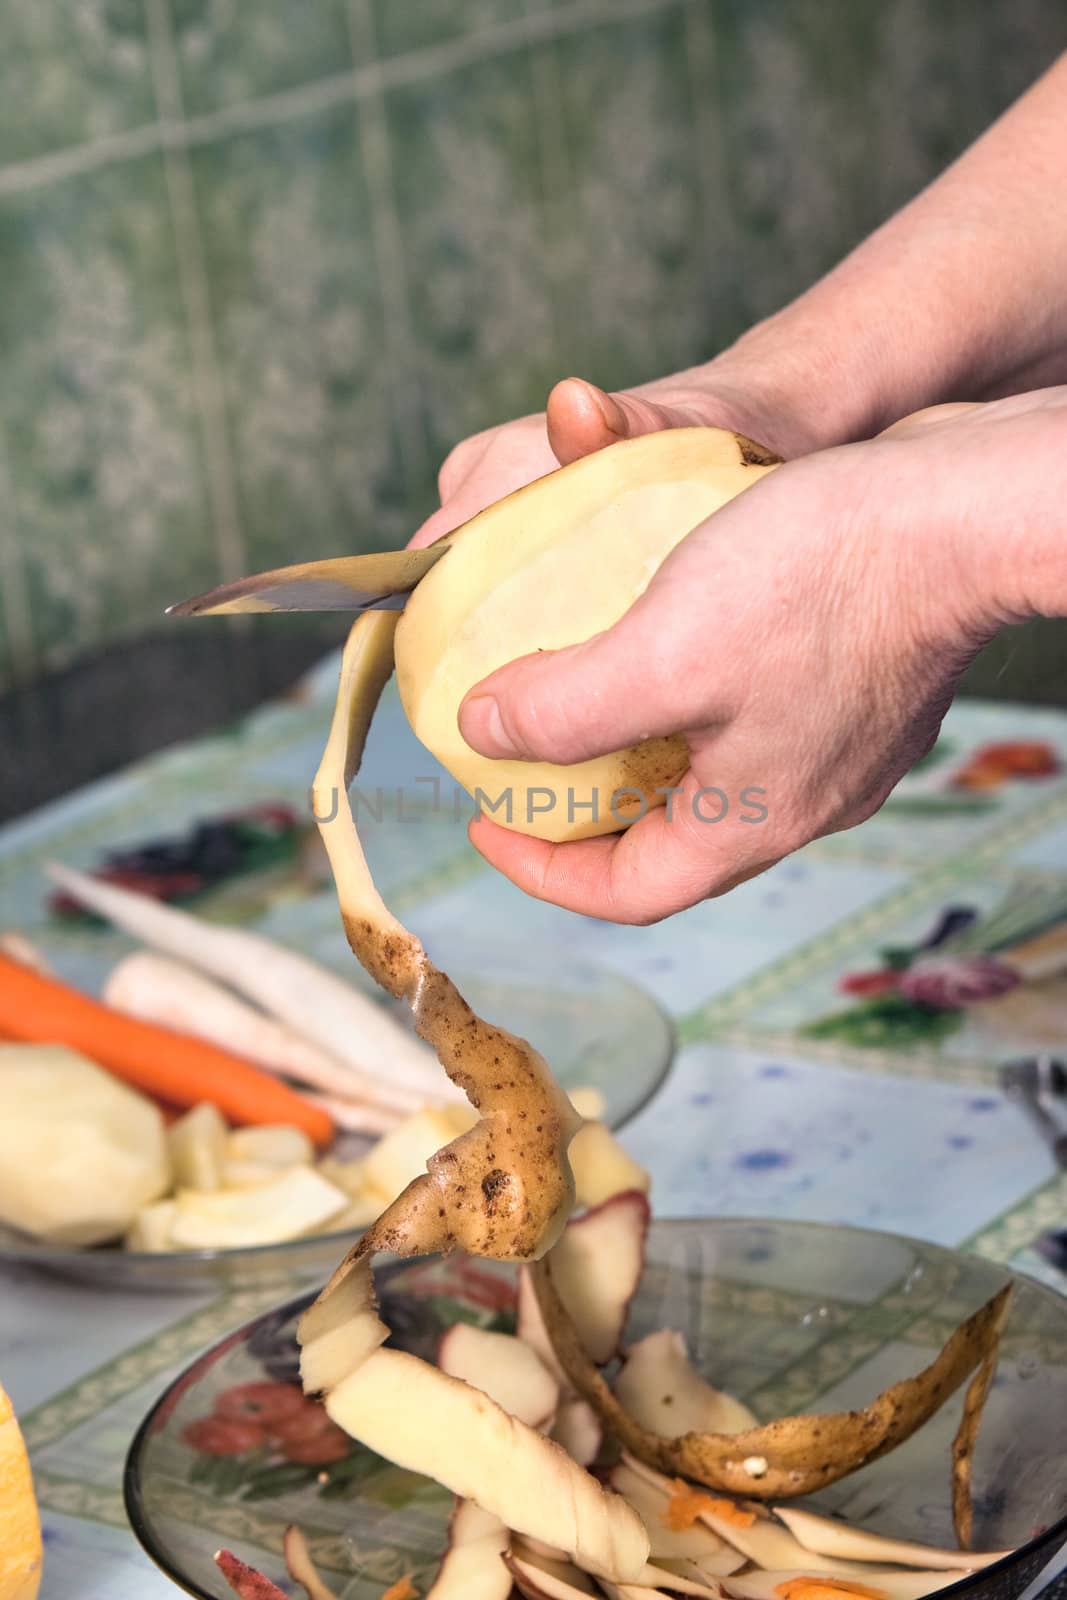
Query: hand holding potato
{"x": 807, "y": 639}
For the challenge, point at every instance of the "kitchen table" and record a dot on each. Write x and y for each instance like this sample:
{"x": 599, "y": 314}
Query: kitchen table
{"x": 821, "y": 1072}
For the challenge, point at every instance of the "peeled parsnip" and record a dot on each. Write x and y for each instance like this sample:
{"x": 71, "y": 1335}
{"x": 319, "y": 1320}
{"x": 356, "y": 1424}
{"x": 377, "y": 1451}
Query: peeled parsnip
{"x": 355, "y": 1116}
{"x": 19, "y": 948}
{"x": 158, "y": 989}
{"x": 322, "y": 1007}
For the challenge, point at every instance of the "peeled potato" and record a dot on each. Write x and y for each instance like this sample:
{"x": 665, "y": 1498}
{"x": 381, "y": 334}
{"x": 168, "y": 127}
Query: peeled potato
{"x": 80, "y": 1153}
{"x": 552, "y": 565}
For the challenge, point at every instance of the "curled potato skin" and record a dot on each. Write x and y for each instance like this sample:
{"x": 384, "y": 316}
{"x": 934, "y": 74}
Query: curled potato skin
{"x": 504, "y": 1189}
{"x": 802, "y": 1453}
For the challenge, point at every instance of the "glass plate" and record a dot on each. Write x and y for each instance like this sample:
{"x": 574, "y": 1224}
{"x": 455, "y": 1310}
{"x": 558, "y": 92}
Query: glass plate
{"x": 595, "y": 1027}
{"x": 791, "y": 1316}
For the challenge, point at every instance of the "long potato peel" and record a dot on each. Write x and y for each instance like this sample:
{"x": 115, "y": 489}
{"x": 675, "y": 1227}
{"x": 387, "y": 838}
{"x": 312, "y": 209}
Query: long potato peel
{"x": 792, "y": 1455}
{"x": 966, "y": 1436}
{"x": 503, "y": 1188}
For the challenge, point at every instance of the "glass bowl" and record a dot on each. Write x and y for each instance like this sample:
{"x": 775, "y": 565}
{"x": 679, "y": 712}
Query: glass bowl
{"x": 596, "y": 1028}
{"x": 791, "y": 1316}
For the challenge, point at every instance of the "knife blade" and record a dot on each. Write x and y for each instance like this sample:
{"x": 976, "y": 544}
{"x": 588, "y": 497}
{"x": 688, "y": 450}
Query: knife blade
{"x": 381, "y": 580}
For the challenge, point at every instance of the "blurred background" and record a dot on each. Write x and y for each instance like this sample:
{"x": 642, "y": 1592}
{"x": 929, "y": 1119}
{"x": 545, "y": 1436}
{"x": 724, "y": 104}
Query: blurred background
{"x": 263, "y": 262}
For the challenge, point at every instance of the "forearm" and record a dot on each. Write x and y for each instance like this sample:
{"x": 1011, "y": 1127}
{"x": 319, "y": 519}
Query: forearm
{"x": 971, "y": 502}
{"x": 960, "y": 295}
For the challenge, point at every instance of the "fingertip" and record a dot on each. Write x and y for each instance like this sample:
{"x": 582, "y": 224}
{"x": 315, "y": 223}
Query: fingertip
{"x": 482, "y": 726}
{"x": 582, "y": 418}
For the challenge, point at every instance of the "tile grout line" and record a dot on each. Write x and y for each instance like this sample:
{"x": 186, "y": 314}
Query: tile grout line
{"x": 717, "y": 219}
{"x": 393, "y": 284}
{"x": 415, "y": 67}
{"x": 557, "y": 178}
{"x": 196, "y": 296}
{"x": 14, "y": 589}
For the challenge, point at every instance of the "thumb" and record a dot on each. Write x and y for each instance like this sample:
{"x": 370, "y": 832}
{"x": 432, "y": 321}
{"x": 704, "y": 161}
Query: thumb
{"x": 582, "y": 418}
{"x": 627, "y": 684}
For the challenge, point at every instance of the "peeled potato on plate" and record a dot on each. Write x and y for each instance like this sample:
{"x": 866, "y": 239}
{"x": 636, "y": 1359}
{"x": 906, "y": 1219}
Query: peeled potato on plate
{"x": 80, "y": 1153}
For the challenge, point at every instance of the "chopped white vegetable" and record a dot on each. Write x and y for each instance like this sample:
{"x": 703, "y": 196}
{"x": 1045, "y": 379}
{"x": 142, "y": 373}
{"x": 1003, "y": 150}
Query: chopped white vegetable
{"x": 588, "y": 1102}
{"x": 150, "y": 1229}
{"x": 296, "y": 1202}
{"x": 601, "y": 1167}
{"x": 249, "y": 1174}
{"x": 197, "y": 1143}
{"x": 278, "y": 1146}
{"x": 356, "y": 1216}
{"x": 161, "y": 990}
{"x": 346, "y": 1175}
{"x": 310, "y": 1000}
{"x": 402, "y": 1154}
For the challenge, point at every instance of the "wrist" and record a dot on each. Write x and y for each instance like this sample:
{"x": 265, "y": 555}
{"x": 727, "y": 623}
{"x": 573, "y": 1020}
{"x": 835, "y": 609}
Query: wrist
{"x": 800, "y": 385}
{"x": 978, "y": 494}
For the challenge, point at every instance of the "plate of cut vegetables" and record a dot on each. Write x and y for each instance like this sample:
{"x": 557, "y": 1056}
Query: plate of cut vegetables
{"x": 225, "y": 1108}
{"x": 239, "y": 1481}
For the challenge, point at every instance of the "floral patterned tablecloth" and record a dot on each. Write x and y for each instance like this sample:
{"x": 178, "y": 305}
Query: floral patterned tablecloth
{"x": 841, "y": 1021}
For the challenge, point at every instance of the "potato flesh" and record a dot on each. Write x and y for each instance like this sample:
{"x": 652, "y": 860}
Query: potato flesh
{"x": 504, "y": 1368}
{"x": 197, "y": 1144}
{"x": 80, "y": 1153}
{"x": 663, "y": 1393}
{"x": 548, "y": 567}
{"x": 601, "y": 1166}
{"x": 278, "y": 1145}
{"x": 415, "y": 1414}
{"x": 429, "y": 1423}
{"x": 473, "y": 1564}
{"x": 597, "y": 1265}
{"x": 296, "y": 1202}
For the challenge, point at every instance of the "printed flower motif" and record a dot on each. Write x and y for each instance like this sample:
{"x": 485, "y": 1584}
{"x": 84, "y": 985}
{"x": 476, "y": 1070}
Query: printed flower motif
{"x": 277, "y": 1415}
{"x": 954, "y": 982}
{"x": 994, "y": 764}
{"x": 320, "y": 1449}
{"x": 880, "y": 981}
{"x": 265, "y": 1403}
{"x": 221, "y": 1436}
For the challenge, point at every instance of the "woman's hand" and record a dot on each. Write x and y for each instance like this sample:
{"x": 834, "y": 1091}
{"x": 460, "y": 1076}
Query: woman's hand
{"x": 806, "y": 639}
{"x": 731, "y": 392}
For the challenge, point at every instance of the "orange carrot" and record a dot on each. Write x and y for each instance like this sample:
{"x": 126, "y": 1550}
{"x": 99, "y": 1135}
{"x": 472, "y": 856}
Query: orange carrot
{"x": 822, "y": 1588}
{"x": 402, "y": 1589}
{"x": 171, "y": 1066}
{"x": 686, "y": 1505}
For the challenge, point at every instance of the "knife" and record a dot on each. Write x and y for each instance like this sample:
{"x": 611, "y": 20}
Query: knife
{"x": 1039, "y": 1085}
{"x": 380, "y": 581}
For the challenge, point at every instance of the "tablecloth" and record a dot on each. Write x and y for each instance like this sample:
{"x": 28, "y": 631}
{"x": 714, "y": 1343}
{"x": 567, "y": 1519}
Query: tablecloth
{"x": 812, "y": 1080}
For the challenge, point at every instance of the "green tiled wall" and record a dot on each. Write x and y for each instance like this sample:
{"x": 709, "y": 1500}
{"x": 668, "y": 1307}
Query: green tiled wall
{"x": 262, "y": 262}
